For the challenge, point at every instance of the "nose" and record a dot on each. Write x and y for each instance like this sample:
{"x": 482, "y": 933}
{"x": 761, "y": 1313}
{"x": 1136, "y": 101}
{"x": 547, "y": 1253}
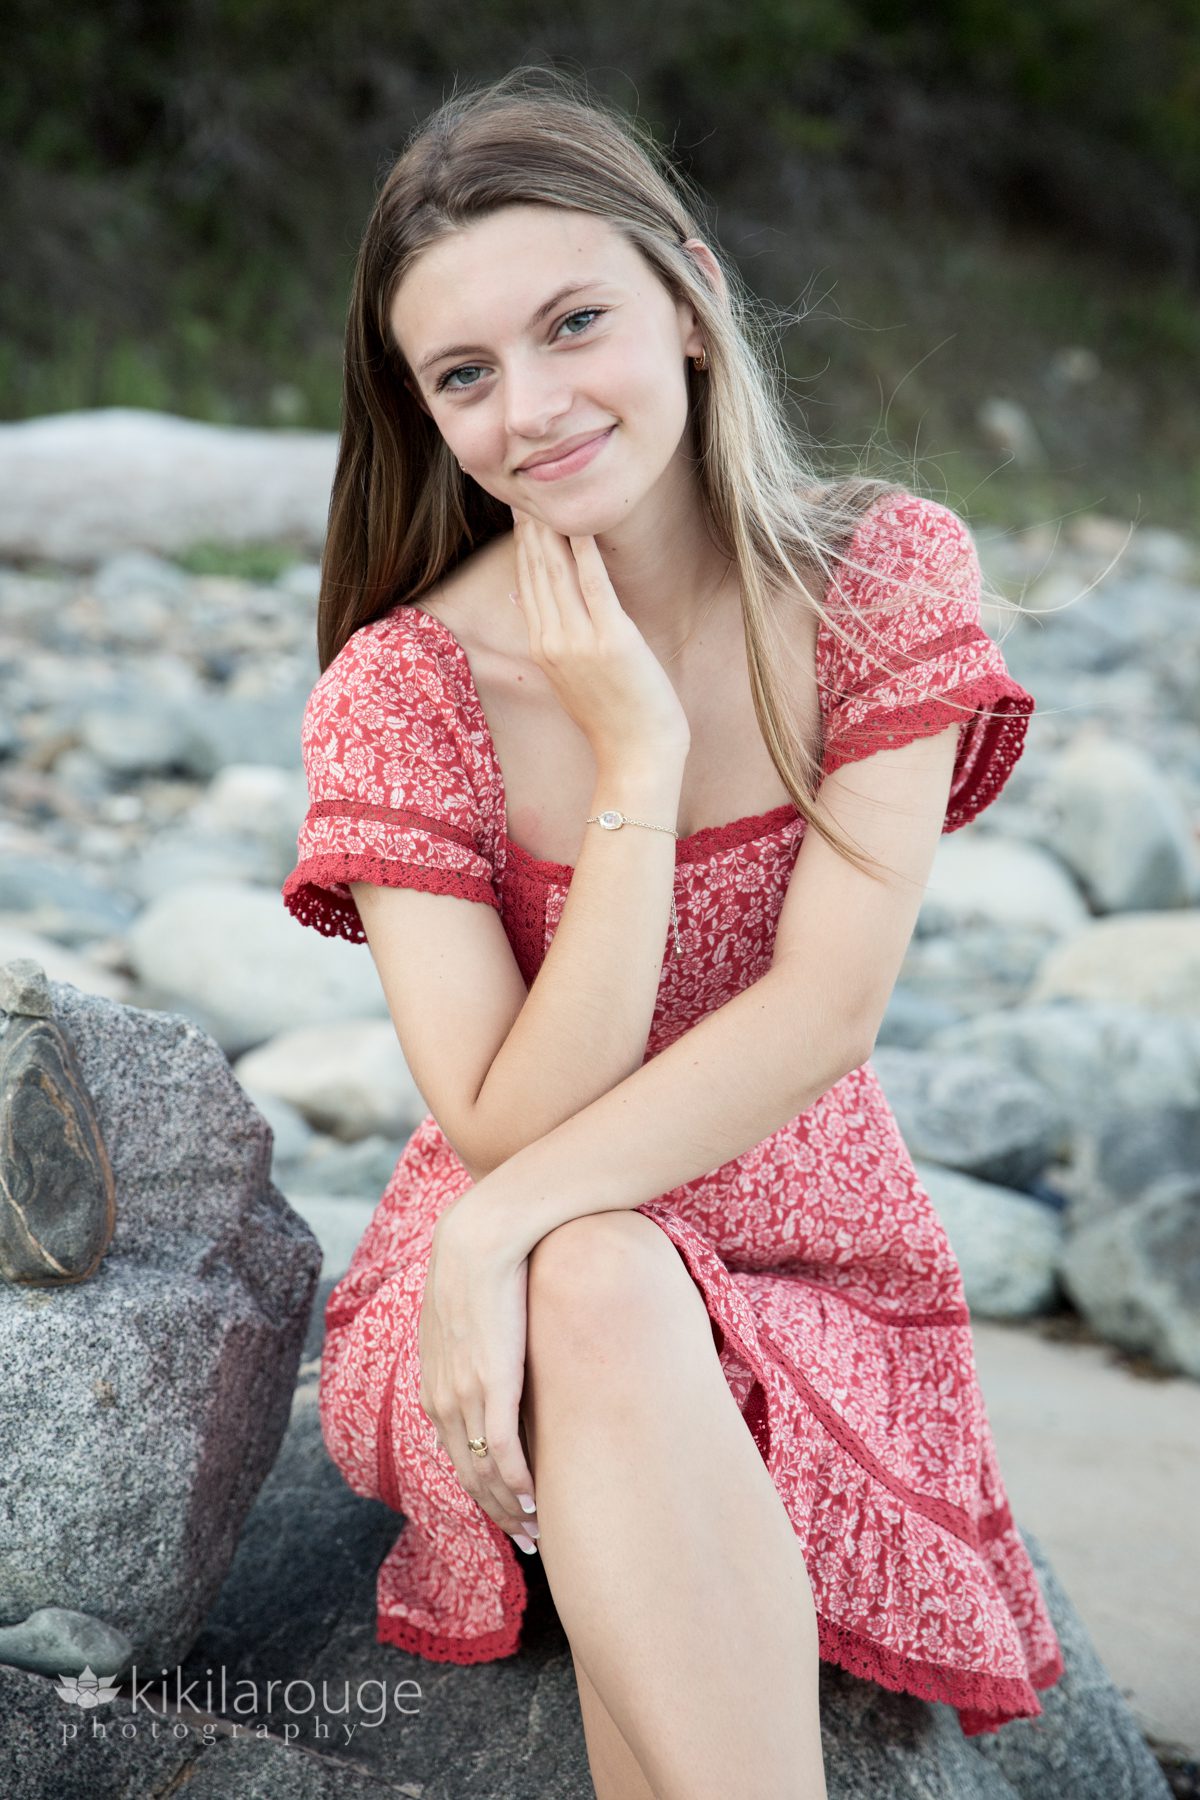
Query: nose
{"x": 535, "y": 396}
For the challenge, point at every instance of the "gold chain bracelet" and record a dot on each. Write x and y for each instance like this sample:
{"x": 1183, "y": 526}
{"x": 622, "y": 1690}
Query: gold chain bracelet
{"x": 612, "y": 820}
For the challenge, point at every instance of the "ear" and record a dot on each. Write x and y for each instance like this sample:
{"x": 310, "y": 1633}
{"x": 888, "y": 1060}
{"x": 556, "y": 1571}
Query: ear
{"x": 700, "y": 253}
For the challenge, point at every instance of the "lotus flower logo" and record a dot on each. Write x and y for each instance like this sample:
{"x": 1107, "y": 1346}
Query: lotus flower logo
{"x": 87, "y": 1690}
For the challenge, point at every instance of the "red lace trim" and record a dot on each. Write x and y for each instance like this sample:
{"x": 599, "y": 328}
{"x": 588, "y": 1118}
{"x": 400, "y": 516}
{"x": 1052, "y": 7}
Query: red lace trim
{"x": 307, "y": 896}
{"x": 992, "y": 740}
{"x": 395, "y": 815}
{"x": 504, "y": 1641}
{"x": 983, "y": 1702}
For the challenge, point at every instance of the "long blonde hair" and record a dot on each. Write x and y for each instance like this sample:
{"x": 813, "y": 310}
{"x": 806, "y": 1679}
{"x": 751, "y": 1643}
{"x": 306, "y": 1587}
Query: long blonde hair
{"x": 402, "y": 514}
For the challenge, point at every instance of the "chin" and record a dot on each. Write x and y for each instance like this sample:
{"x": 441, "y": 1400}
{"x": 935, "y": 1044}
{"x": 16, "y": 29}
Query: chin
{"x": 581, "y": 516}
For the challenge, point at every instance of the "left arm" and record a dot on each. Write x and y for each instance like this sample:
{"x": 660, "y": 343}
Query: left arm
{"x": 751, "y": 1065}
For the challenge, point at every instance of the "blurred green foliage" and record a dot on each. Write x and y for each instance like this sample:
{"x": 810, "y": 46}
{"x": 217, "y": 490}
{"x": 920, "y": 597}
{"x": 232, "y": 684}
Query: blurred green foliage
{"x": 975, "y": 185}
{"x": 262, "y": 561}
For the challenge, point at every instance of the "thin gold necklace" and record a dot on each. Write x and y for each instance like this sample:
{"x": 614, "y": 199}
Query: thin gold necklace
{"x": 699, "y": 621}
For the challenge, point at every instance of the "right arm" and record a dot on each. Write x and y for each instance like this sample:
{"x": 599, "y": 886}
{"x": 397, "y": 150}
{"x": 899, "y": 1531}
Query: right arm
{"x": 499, "y": 1066}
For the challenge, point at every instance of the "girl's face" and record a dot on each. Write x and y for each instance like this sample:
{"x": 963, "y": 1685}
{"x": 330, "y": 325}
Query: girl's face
{"x": 536, "y": 327}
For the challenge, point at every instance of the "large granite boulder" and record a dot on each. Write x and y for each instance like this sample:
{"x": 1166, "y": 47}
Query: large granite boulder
{"x": 144, "y": 1406}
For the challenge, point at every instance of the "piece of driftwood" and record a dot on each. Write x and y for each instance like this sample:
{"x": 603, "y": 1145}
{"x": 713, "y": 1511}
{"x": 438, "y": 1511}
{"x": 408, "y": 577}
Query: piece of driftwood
{"x": 57, "y": 1194}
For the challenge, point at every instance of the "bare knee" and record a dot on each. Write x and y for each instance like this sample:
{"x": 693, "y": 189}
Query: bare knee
{"x": 597, "y": 1280}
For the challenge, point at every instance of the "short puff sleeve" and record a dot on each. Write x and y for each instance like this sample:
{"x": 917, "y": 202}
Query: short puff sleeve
{"x": 398, "y": 782}
{"x": 928, "y": 662}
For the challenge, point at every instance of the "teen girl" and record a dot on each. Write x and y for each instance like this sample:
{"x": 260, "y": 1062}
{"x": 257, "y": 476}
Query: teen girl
{"x": 629, "y": 757}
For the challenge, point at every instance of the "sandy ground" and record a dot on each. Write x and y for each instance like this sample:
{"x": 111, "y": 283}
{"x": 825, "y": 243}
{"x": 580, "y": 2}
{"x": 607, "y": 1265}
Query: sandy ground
{"x": 1101, "y": 1459}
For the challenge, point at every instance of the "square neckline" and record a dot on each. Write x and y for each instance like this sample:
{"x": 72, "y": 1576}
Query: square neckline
{"x": 695, "y": 846}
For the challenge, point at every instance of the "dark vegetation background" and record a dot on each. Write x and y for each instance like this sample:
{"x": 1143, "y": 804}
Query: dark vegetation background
{"x": 982, "y": 200}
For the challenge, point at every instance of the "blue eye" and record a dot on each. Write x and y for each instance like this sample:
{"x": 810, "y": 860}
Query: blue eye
{"x": 588, "y": 312}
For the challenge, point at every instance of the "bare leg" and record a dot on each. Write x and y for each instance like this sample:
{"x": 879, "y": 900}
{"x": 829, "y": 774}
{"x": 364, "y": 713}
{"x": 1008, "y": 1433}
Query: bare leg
{"x": 616, "y": 1772}
{"x": 673, "y": 1564}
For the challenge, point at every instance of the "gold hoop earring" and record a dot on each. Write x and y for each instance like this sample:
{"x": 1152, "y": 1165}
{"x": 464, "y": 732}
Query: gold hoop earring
{"x": 701, "y": 361}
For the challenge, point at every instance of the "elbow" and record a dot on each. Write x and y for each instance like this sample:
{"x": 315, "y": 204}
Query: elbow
{"x": 478, "y": 1166}
{"x": 480, "y": 1152}
{"x": 476, "y": 1160}
{"x": 857, "y": 1052}
{"x": 852, "y": 1044}
{"x": 861, "y": 1018}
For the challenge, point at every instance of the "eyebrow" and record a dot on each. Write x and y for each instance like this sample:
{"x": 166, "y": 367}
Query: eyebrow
{"x": 547, "y": 306}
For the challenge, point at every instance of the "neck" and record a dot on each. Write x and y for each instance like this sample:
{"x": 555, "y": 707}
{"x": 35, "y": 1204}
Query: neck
{"x": 670, "y": 578}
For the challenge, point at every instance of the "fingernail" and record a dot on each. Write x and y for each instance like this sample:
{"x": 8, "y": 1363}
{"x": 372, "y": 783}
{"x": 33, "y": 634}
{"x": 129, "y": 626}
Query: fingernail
{"x": 513, "y": 597}
{"x": 528, "y": 1504}
{"x": 525, "y": 1543}
{"x": 533, "y": 1530}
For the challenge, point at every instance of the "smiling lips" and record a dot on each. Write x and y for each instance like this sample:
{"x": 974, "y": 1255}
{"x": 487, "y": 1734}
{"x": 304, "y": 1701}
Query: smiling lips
{"x": 575, "y": 454}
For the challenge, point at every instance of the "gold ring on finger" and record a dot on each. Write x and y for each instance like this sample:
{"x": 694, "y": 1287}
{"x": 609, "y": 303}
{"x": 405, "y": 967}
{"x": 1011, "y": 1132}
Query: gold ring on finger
{"x": 478, "y": 1446}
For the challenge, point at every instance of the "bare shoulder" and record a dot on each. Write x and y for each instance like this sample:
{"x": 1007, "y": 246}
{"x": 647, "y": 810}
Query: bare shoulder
{"x": 471, "y": 600}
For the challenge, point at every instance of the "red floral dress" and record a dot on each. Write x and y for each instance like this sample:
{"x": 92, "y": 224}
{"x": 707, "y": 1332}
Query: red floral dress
{"x": 837, "y": 1302}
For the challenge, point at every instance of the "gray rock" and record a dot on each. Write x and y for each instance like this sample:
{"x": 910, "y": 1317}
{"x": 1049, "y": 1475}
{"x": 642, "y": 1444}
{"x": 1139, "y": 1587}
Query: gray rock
{"x": 971, "y": 1115}
{"x": 1163, "y": 552}
{"x": 1135, "y": 1274}
{"x": 302, "y": 582}
{"x": 291, "y": 1133}
{"x": 360, "y": 1170}
{"x": 241, "y": 828}
{"x": 61, "y": 901}
{"x": 987, "y": 877}
{"x": 24, "y": 990}
{"x": 179, "y": 857}
{"x": 1008, "y": 428}
{"x": 155, "y": 733}
{"x": 1120, "y": 1154}
{"x": 258, "y": 728}
{"x": 55, "y": 1639}
{"x": 977, "y": 967}
{"x": 915, "y": 1020}
{"x": 1095, "y": 1057}
{"x": 234, "y": 960}
{"x": 75, "y": 485}
{"x": 1086, "y": 1745}
{"x": 135, "y": 573}
{"x": 1121, "y": 827}
{"x": 1006, "y": 1245}
{"x": 348, "y": 1078}
{"x": 154, "y": 1397}
{"x": 1097, "y": 633}
{"x": 258, "y": 801}
{"x": 337, "y": 1222}
{"x": 60, "y": 963}
{"x": 1148, "y": 959}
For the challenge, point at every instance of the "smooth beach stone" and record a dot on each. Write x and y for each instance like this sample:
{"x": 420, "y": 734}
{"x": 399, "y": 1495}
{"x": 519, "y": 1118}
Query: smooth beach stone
{"x": 57, "y": 1194}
